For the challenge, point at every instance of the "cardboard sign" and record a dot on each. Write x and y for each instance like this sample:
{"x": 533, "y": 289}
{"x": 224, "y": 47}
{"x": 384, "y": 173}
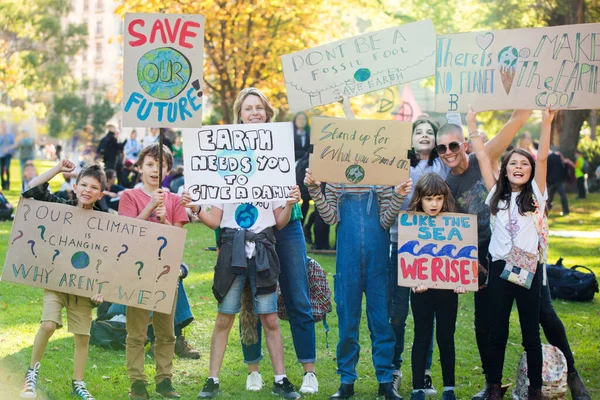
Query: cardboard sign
{"x": 360, "y": 151}
{"x": 439, "y": 252}
{"x": 239, "y": 163}
{"x": 84, "y": 252}
{"x": 519, "y": 69}
{"x": 359, "y": 64}
{"x": 162, "y": 70}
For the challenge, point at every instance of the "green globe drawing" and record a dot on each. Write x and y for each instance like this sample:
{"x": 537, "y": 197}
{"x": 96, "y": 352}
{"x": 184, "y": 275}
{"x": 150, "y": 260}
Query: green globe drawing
{"x": 80, "y": 260}
{"x": 163, "y": 73}
{"x": 355, "y": 173}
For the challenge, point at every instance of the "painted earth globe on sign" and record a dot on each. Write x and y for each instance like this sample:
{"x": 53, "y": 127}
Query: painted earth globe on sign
{"x": 163, "y": 73}
{"x": 355, "y": 173}
{"x": 246, "y": 215}
{"x": 80, "y": 260}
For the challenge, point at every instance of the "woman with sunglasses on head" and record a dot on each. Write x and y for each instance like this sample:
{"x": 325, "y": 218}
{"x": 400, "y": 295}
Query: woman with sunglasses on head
{"x": 467, "y": 186}
{"x": 424, "y": 159}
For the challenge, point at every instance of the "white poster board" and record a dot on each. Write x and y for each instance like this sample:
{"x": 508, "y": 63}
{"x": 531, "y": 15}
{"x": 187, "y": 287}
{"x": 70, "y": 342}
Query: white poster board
{"x": 519, "y": 69}
{"x": 162, "y": 70}
{"x": 239, "y": 163}
{"x": 360, "y": 64}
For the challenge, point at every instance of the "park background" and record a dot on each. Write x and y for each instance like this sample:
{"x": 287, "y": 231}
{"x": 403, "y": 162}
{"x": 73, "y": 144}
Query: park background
{"x": 56, "y": 77}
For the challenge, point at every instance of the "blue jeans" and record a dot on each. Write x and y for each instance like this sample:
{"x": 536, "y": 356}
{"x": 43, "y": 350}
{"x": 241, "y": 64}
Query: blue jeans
{"x": 362, "y": 266}
{"x": 293, "y": 280}
{"x": 399, "y": 312}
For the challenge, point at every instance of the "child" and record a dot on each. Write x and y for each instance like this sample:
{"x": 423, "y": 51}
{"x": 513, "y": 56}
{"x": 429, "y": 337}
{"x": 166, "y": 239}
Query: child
{"x": 517, "y": 200}
{"x": 29, "y": 172}
{"x": 151, "y": 203}
{"x": 89, "y": 188}
{"x": 432, "y": 196}
{"x": 364, "y": 214}
{"x": 247, "y": 251}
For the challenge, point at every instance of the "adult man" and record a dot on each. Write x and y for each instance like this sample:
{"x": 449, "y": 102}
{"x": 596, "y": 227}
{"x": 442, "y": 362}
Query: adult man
{"x": 469, "y": 192}
{"x": 557, "y": 172}
{"x": 109, "y": 148}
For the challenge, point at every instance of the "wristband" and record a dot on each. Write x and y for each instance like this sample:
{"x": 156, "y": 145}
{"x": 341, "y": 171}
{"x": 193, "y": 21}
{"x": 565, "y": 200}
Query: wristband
{"x": 474, "y": 134}
{"x": 195, "y": 214}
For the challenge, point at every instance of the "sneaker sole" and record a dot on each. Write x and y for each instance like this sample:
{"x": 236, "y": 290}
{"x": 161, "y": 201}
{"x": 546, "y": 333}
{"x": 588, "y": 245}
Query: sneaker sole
{"x": 308, "y": 391}
{"x": 284, "y": 396}
{"x": 430, "y": 392}
{"x": 28, "y": 396}
{"x": 254, "y": 389}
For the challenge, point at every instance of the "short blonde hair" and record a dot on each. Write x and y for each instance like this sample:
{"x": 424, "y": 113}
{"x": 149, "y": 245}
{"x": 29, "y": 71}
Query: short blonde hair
{"x": 237, "y": 104}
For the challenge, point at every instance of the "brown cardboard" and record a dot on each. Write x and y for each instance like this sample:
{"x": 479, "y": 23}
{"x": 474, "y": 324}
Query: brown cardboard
{"x": 439, "y": 252}
{"x": 84, "y": 252}
{"x": 360, "y": 151}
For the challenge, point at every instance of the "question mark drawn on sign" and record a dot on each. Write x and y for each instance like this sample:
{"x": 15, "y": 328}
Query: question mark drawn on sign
{"x": 42, "y": 229}
{"x": 141, "y": 264}
{"x": 19, "y": 236}
{"x": 98, "y": 265}
{"x": 26, "y": 212}
{"x": 56, "y": 253}
{"x": 165, "y": 271}
{"x": 475, "y": 271}
{"x": 164, "y": 239}
{"x": 164, "y": 296}
{"x": 123, "y": 252}
{"x": 32, "y": 243}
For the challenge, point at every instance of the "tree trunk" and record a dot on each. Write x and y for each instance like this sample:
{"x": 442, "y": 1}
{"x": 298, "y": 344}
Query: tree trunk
{"x": 593, "y": 121}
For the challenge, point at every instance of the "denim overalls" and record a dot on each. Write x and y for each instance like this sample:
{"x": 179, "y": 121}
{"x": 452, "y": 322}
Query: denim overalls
{"x": 362, "y": 265}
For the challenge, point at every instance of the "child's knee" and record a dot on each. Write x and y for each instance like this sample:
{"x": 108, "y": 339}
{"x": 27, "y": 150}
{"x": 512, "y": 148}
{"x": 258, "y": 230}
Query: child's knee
{"x": 81, "y": 341}
{"x": 270, "y": 322}
{"x": 224, "y": 321}
{"x": 48, "y": 327}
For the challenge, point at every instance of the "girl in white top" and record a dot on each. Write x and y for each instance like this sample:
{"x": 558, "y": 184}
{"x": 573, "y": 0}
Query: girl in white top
{"x": 515, "y": 197}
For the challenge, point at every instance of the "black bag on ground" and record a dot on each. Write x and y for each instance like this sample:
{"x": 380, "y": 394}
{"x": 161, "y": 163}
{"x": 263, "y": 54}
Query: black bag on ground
{"x": 108, "y": 334}
{"x": 571, "y": 284}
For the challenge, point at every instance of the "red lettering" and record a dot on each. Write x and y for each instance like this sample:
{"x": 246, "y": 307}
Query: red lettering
{"x": 454, "y": 277}
{"x": 156, "y": 27}
{"x": 464, "y": 272}
{"x": 172, "y": 33}
{"x": 422, "y": 269}
{"x": 185, "y": 33}
{"x": 141, "y": 38}
{"x": 408, "y": 270}
{"x": 475, "y": 271}
{"x": 436, "y": 270}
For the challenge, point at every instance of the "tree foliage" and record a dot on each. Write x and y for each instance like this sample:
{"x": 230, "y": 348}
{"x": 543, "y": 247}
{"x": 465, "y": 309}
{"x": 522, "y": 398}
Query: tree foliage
{"x": 35, "y": 47}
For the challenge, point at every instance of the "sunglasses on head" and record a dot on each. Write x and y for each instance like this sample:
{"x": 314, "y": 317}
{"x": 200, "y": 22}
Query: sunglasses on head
{"x": 453, "y": 146}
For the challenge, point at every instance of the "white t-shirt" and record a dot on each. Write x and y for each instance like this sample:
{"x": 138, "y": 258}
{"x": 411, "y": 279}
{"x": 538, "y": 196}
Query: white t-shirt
{"x": 254, "y": 217}
{"x": 526, "y": 236}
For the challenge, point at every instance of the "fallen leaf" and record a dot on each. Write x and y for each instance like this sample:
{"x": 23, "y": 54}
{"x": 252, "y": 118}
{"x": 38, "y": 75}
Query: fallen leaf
{"x": 55, "y": 348}
{"x": 105, "y": 377}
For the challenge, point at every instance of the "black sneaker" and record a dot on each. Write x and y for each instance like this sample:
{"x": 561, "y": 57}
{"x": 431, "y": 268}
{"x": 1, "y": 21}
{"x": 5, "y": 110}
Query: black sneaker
{"x": 429, "y": 389}
{"x": 209, "y": 390}
{"x": 166, "y": 389}
{"x": 29, "y": 387}
{"x": 285, "y": 389}
{"x": 138, "y": 391}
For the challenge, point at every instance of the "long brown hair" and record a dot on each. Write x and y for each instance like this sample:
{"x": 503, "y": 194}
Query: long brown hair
{"x": 432, "y": 184}
{"x": 504, "y": 191}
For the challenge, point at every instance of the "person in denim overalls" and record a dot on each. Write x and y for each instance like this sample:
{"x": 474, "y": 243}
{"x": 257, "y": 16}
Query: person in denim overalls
{"x": 364, "y": 215}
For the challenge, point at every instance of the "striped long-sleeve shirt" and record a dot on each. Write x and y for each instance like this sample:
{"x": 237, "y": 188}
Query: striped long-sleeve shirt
{"x": 389, "y": 201}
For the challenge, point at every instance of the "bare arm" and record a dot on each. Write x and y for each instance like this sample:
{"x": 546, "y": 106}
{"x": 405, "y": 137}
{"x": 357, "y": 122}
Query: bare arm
{"x": 483, "y": 159}
{"x": 498, "y": 144}
{"x": 62, "y": 166}
{"x": 541, "y": 163}
{"x": 282, "y": 214}
{"x": 212, "y": 218}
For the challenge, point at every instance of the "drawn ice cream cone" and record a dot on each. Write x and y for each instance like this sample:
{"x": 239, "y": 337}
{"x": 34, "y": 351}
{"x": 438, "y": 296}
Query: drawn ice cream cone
{"x": 507, "y": 64}
{"x": 507, "y": 75}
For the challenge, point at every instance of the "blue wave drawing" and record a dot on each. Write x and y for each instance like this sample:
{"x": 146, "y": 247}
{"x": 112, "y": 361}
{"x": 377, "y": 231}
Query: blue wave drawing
{"x": 429, "y": 250}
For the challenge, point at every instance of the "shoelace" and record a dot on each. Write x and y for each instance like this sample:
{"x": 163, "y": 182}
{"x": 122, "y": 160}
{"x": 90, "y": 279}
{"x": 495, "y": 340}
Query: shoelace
{"x": 31, "y": 378}
{"x": 82, "y": 391}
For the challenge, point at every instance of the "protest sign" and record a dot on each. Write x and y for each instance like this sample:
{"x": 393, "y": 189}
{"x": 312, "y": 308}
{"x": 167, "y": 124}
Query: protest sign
{"x": 439, "y": 252}
{"x": 83, "y": 252}
{"x": 360, "y": 151}
{"x": 360, "y": 64}
{"x": 239, "y": 163}
{"x": 162, "y": 70}
{"x": 519, "y": 69}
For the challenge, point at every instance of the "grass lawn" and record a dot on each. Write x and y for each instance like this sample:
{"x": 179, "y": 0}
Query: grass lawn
{"x": 20, "y": 308}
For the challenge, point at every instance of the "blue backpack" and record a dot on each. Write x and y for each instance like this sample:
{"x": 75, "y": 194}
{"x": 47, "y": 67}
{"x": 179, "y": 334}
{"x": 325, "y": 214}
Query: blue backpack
{"x": 571, "y": 284}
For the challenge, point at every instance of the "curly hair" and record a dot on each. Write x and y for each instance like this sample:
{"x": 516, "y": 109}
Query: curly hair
{"x": 504, "y": 191}
{"x": 432, "y": 184}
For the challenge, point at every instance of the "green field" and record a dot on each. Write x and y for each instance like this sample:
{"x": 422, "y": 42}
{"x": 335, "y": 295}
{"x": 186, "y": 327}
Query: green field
{"x": 20, "y": 308}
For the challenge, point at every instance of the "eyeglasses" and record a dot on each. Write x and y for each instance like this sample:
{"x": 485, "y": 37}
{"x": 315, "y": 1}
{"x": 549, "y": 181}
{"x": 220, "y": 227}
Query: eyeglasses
{"x": 454, "y": 147}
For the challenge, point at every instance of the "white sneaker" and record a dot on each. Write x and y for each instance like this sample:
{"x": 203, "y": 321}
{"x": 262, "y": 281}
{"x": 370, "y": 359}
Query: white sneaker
{"x": 28, "y": 391}
{"x": 310, "y": 384}
{"x": 397, "y": 379}
{"x": 254, "y": 381}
